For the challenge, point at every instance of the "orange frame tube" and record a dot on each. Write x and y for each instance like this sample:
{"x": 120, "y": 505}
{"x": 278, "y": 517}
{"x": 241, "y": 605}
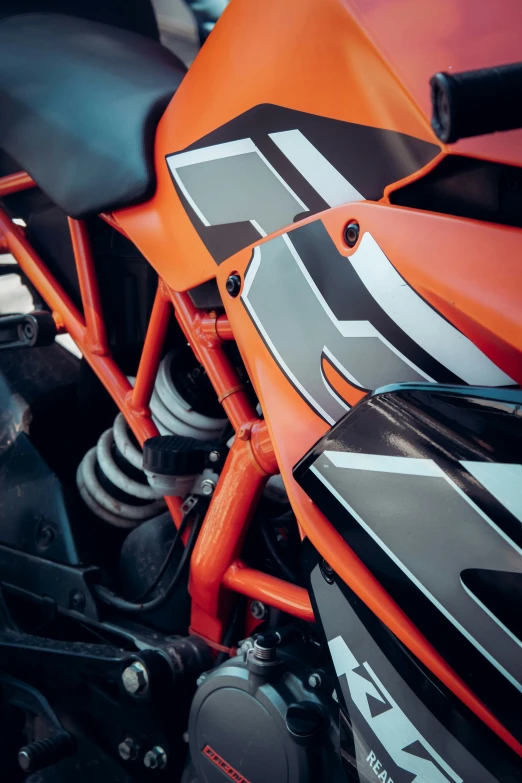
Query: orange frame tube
{"x": 215, "y": 567}
{"x": 95, "y": 326}
{"x": 215, "y": 564}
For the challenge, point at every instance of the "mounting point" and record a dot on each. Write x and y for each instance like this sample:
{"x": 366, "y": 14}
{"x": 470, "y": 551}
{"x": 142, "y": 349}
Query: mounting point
{"x": 233, "y": 284}
{"x": 351, "y": 233}
{"x": 135, "y": 679}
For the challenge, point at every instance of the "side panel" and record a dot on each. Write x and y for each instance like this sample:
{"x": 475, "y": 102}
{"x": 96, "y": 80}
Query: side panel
{"x": 294, "y": 67}
{"x": 398, "y": 726}
{"x": 425, "y": 484}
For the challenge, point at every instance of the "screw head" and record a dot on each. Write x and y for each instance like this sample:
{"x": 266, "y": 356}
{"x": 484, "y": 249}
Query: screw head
{"x": 201, "y": 679}
{"x": 77, "y": 601}
{"x": 45, "y": 535}
{"x": 129, "y": 749}
{"x": 233, "y": 285}
{"x": 155, "y": 758}
{"x": 214, "y": 456}
{"x": 135, "y": 679}
{"x": 327, "y": 572}
{"x": 24, "y": 760}
{"x": 351, "y": 233}
{"x": 207, "y": 487}
{"x": 29, "y": 331}
{"x": 258, "y": 610}
{"x": 314, "y": 680}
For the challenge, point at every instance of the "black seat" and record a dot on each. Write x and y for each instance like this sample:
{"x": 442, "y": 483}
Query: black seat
{"x": 79, "y": 105}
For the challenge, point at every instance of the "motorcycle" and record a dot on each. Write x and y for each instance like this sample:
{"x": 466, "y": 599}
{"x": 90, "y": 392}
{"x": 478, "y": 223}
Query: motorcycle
{"x": 267, "y": 527}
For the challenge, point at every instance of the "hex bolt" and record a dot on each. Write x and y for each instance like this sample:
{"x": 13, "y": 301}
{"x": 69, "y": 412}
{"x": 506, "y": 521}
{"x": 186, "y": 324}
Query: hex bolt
{"x": 129, "y": 749}
{"x": 258, "y": 610}
{"x": 207, "y": 487}
{"x": 155, "y": 758}
{"x": 201, "y": 679}
{"x": 214, "y": 456}
{"x": 314, "y": 680}
{"x": 135, "y": 679}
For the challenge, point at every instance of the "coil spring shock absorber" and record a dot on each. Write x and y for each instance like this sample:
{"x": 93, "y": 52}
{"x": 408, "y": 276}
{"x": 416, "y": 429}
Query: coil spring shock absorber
{"x": 110, "y": 477}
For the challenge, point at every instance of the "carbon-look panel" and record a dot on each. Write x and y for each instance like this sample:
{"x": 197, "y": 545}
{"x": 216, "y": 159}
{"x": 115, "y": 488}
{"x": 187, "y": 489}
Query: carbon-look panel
{"x": 422, "y": 483}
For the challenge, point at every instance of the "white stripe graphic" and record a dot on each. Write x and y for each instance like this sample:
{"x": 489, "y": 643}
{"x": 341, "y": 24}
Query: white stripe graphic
{"x": 406, "y": 466}
{"x": 348, "y": 328}
{"x": 410, "y": 466}
{"x": 503, "y": 481}
{"x": 322, "y": 176}
{"x": 344, "y": 502}
{"x": 249, "y": 279}
{"x": 490, "y": 613}
{"x": 392, "y": 727}
{"x": 420, "y": 322}
{"x": 217, "y": 152}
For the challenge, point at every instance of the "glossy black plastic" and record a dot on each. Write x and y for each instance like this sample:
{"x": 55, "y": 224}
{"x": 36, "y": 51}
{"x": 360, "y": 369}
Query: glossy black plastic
{"x": 423, "y": 482}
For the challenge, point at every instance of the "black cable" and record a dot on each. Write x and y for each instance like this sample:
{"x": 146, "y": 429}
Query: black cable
{"x": 232, "y": 630}
{"x": 272, "y": 548}
{"x": 161, "y": 573}
{"x": 111, "y": 599}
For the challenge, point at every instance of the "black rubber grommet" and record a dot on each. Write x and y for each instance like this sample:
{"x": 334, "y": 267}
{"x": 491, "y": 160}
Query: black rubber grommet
{"x": 351, "y": 233}
{"x": 233, "y": 285}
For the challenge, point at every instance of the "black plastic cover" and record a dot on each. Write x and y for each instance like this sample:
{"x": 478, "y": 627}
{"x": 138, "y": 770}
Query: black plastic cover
{"x": 424, "y": 482}
{"x": 174, "y": 455}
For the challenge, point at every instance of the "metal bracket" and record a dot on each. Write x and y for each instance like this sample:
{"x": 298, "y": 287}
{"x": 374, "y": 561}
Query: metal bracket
{"x": 32, "y": 577}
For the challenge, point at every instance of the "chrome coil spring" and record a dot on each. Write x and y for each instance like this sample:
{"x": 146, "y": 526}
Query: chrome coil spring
{"x": 110, "y": 477}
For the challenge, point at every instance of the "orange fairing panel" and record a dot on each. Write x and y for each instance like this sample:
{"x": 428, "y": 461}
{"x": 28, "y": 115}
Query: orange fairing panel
{"x": 419, "y": 38}
{"x": 298, "y": 71}
{"x": 376, "y": 319}
{"x": 421, "y": 297}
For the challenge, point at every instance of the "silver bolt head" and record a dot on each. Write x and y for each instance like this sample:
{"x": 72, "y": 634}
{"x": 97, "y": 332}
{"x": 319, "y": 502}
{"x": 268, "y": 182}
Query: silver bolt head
{"x": 155, "y": 758}
{"x": 257, "y": 610}
{"x": 314, "y": 680}
{"x": 201, "y": 679}
{"x": 207, "y": 487}
{"x": 135, "y": 678}
{"x": 24, "y": 759}
{"x": 214, "y": 456}
{"x": 128, "y": 749}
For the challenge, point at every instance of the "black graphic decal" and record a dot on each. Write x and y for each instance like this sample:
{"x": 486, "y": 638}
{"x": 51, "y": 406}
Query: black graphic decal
{"x": 346, "y": 311}
{"x": 397, "y": 477}
{"x": 319, "y": 162}
{"x": 427, "y": 734}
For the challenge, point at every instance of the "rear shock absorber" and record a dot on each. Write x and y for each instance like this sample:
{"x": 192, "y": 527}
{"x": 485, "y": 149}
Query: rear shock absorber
{"x": 110, "y": 477}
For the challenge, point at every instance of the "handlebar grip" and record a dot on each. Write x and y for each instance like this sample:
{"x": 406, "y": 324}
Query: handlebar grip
{"x": 473, "y": 103}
